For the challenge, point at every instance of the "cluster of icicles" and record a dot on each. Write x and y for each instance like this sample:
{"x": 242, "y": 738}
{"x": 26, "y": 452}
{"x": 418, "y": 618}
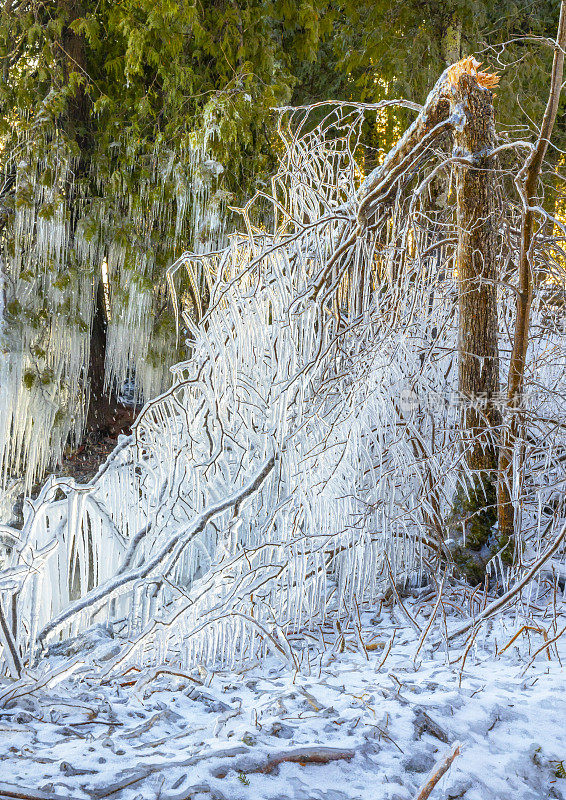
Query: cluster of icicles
{"x": 51, "y": 265}
{"x": 300, "y": 459}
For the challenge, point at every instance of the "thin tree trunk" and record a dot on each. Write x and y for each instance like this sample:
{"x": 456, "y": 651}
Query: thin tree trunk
{"x": 107, "y": 416}
{"x": 527, "y": 183}
{"x": 452, "y": 40}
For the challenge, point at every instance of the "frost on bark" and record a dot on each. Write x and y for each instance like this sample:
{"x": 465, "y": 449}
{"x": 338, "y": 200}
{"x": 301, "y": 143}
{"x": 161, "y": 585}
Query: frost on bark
{"x": 478, "y": 357}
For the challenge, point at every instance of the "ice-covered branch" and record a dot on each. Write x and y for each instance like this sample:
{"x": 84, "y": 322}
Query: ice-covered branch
{"x": 101, "y": 593}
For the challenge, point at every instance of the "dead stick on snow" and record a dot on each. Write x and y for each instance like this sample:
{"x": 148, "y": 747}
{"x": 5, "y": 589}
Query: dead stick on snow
{"x": 439, "y": 769}
{"x": 307, "y": 755}
{"x": 545, "y": 646}
{"x": 7, "y": 790}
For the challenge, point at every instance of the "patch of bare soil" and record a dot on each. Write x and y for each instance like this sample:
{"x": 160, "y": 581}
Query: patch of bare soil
{"x": 83, "y": 463}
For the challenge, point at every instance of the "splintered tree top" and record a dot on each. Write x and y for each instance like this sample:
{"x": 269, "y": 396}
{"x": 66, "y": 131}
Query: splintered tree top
{"x": 469, "y": 66}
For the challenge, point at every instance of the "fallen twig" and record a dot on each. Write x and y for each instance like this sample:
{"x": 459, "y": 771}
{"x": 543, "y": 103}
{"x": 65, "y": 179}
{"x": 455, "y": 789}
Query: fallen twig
{"x": 439, "y": 769}
{"x": 135, "y": 775}
{"x": 305, "y": 755}
{"x": 7, "y": 790}
{"x": 425, "y": 724}
{"x": 545, "y": 646}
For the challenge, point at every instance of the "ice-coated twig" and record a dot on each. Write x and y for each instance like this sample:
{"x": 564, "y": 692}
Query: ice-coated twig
{"x": 502, "y": 601}
{"x": 431, "y": 619}
{"x": 439, "y": 769}
{"x": 102, "y": 592}
{"x": 28, "y": 684}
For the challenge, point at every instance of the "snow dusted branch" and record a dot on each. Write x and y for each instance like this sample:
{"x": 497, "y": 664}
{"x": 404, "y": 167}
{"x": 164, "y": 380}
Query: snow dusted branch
{"x": 7, "y": 790}
{"x": 303, "y": 755}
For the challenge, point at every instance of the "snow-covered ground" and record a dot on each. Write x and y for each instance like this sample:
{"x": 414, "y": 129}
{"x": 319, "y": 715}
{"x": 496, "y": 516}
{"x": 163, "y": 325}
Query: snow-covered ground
{"x": 219, "y": 735}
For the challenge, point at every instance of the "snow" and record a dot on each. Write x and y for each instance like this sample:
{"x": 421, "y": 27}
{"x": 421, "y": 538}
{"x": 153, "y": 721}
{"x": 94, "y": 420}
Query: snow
{"x": 208, "y": 734}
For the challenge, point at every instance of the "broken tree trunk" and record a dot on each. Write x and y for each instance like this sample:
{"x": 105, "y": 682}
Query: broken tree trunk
{"x": 461, "y": 104}
{"x": 478, "y": 356}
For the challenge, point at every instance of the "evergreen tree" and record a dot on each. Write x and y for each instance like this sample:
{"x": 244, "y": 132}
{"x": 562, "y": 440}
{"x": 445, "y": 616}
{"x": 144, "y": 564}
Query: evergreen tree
{"x": 125, "y": 130}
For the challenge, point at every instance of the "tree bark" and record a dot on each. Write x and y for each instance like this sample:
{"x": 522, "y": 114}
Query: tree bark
{"x": 478, "y": 355}
{"x": 106, "y": 415}
{"x": 452, "y": 40}
{"x": 478, "y": 364}
{"x": 461, "y": 103}
{"x": 527, "y": 183}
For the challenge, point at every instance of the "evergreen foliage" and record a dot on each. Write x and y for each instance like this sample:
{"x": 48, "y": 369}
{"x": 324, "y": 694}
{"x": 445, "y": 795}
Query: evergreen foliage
{"x": 384, "y": 49}
{"x": 125, "y": 128}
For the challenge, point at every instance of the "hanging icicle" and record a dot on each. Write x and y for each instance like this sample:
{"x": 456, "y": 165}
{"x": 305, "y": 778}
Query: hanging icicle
{"x": 59, "y": 238}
